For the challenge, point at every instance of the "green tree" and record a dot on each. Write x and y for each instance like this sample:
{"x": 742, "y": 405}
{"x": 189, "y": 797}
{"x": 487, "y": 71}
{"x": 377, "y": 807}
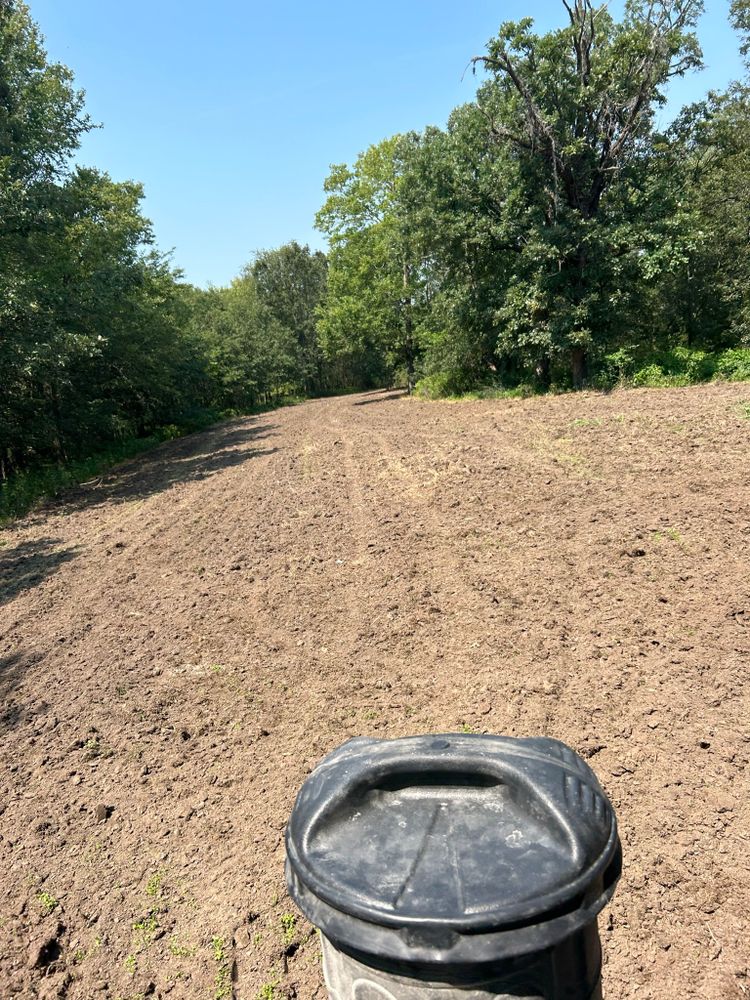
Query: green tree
{"x": 41, "y": 122}
{"x": 373, "y": 270}
{"x": 251, "y": 356}
{"x": 91, "y": 347}
{"x": 291, "y": 282}
{"x": 576, "y": 106}
{"x": 740, "y": 15}
{"x": 463, "y": 194}
{"x": 711, "y": 162}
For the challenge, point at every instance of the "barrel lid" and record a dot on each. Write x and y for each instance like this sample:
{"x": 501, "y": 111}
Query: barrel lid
{"x": 452, "y": 846}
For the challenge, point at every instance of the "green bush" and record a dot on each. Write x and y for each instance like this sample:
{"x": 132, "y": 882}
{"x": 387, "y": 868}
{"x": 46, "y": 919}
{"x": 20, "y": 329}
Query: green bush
{"x": 676, "y": 367}
{"x": 444, "y": 385}
{"x": 615, "y": 369}
{"x": 169, "y": 432}
{"x": 654, "y": 377}
{"x": 734, "y": 364}
{"x": 437, "y": 386}
{"x": 696, "y": 366}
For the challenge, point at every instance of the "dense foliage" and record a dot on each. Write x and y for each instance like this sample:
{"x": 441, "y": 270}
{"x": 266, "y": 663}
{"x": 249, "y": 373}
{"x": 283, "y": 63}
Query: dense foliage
{"x": 100, "y": 342}
{"x": 549, "y": 235}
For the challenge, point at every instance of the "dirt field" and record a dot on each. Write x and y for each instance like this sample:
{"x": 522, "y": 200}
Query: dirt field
{"x": 184, "y": 640}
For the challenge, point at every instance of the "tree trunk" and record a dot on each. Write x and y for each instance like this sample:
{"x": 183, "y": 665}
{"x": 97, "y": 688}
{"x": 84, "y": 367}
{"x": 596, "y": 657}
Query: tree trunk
{"x": 408, "y": 333}
{"x": 542, "y": 371}
{"x": 59, "y": 436}
{"x": 578, "y": 356}
{"x": 409, "y": 358}
{"x": 579, "y": 367}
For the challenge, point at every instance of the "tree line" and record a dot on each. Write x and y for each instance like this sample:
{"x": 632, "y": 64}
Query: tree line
{"x": 101, "y": 341}
{"x": 549, "y": 236}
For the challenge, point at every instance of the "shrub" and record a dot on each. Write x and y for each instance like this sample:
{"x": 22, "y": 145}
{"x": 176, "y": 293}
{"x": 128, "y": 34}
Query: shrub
{"x": 676, "y": 367}
{"x": 618, "y": 366}
{"x": 734, "y": 364}
{"x": 654, "y": 377}
{"x": 696, "y": 366}
{"x": 437, "y": 386}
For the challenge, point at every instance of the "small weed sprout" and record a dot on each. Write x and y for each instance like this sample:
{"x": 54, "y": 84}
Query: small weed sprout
{"x": 223, "y": 980}
{"x": 92, "y": 852}
{"x": 93, "y": 749}
{"x": 669, "y": 533}
{"x": 81, "y": 954}
{"x": 145, "y": 931}
{"x": 268, "y": 991}
{"x": 289, "y": 925}
{"x": 153, "y": 886}
{"x": 47, "y": 901}
{"x": 179, "y": 950}
{"x": 130, "y": 965}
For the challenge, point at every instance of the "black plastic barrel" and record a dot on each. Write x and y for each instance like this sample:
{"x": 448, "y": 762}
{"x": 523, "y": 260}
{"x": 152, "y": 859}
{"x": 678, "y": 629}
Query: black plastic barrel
{"x": 455, "y": 865}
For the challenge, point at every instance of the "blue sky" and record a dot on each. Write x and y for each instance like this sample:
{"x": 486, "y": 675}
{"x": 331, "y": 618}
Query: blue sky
{"x": 230, "y": 112}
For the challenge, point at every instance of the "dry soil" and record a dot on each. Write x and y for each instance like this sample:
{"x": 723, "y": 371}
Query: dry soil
{"x": 184, "y": 639}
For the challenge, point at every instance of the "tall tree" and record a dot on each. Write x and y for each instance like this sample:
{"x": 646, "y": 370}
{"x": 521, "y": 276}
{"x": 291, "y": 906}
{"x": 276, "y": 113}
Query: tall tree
{"x": 458, "y": 193}
{"x": 740, "y": 15}
{"x": 711, "y": 161}
{"x": 291, "y": 282}
{"x": 90, "y": 344}
{"x": 373, "y": 269}
{"x": 577, "y": 107}
{"x": 41, "y": 122}
{"x": 251, "y": 356}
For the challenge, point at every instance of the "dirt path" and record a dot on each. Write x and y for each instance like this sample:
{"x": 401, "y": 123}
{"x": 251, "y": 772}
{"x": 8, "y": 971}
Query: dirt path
{"x": 182, "y": 641}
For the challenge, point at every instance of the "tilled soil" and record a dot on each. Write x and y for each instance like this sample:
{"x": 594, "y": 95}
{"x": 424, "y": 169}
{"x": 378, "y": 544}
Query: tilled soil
{"x": 184, "y": 639}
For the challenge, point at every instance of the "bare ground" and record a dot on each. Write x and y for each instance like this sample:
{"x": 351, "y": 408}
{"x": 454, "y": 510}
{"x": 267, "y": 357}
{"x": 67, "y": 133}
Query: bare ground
{"x": 184, "y": 639}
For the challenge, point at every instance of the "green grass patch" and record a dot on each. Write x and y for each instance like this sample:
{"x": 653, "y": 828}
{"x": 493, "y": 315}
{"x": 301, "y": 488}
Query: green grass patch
{"x": 178, "y": 949}
{"x": 268, "y": 991}
{"x": 668, "y": 534}
{"x": 23, "y": 491}
{"x": 144, "y": 931}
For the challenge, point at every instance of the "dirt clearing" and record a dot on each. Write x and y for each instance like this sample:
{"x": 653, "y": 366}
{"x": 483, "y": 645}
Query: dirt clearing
{"x": 183, "y": 640}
